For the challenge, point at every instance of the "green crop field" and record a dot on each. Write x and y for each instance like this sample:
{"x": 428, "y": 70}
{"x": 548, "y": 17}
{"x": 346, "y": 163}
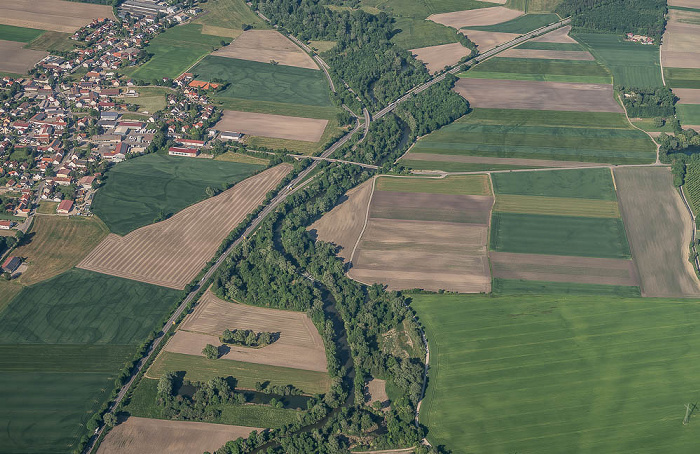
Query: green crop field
{"x": 175, "y": 51}
{"x": 682, "y": 77}
{"x": 520, "y": 25}
{"x": 632, "y": 64}
{"x": 559, "y": 235}
{"x": 455, "y": 184}
{"x": 521, "y": 287}
{"x": 415, "y": 33}
{"x": 688, "y": 114}
{"x": 199, "y": 368}
{"x": 137, "y": 190}
{"x": 540, "y": 69}
{"x": 231, "y": 14}
{"x": 424, "y": 8}
{"x": 62, "y": 344}
{"x": 549, "y": 46}
{"x": 594, "y": 184}
{"x": 560, "y": 374}
{"x": 19, "y": 34}
{"x": 608, "y": 120}
{"x": 53, "y": 41}
{"x": 266, "y": 82}
{"x": 277, "y": 108}
{"x": 691, "y": 188}
{"x": 456, "y": 166}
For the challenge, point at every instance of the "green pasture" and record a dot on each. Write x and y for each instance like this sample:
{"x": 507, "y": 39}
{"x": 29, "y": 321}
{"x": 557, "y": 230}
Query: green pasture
{"x": 138, "y": 190}
{"x": 276, "y": 108}
{"x": 513, "y": 117}
{"x": 537, "y": 77}
{"x": 559, "y": 235}
{"x": 256, "y": 81}
{"x": 688, "y": 114}
{"x": 53, "y": 41}
{"x": 632, "y": 64}
{"x": 549, "y": 46}
{"x": 455, "y": 184}
{"x": 533, "y": 5}
{"x": 682, "y": 77}
{"x": 539, "y": 69}
{"x": 447, "y": 166}
{"x": 413, "y": 33}
{"x": 520, "y": 25}
{"x": 19, "y": 34}
{"x": 594, "y": 184}
{"x": 560, "y": 373}
{"x": 521, "y": 287}
{"x": 424, "y": 8}
{"x": 231, "y": 14}
{"x": 175, "y": 51}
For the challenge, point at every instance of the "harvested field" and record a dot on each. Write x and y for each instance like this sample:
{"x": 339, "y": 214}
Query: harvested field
{"x": 560, "y": 35}
{"x": 475, "y": 17}
{"x": 679, "y": 48}
{"x": 579, "y": 55}
{"x": 513, "y": 203}
{"x": 659, "y": 229}
{"x": 299, "y": 345}
{"x": 268, "y": 125}
{"x": 536, "y": 95}
{"x": 687, "y": 95}
{"x": 470, "y": 209}
{"x": 684, "y": 3}
{"x": 488, "y": 40}
{"x": 437, "y": 57}
{"x": 54, "y": 15}
{"x": 553, "y": 268}
{"x": 14, "y": 58}
{"x": 265, "y": 46}
{"x": 343, "y": 225}
{"x": 423, "y": 254}
{"x": 497, "y": 161}
{"x": 175, "y": 437}
{"x": 172, "y": 252}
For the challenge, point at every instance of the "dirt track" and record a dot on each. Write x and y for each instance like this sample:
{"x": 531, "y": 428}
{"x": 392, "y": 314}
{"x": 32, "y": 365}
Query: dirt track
{"x": 54, "y": 15}
{"x": 276, "y": 126}
{"x": 14, "y": 58}
{"x": 172, "y": 252}
{"x": 437, "y": 57}
{"x": 264, "y": 46}
{"x": 537, "y": 95}
{"x": 475, "y": 17}
{"x": 144, "y": 435}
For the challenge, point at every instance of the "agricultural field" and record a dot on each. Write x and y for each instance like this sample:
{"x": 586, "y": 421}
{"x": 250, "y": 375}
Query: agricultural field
{"x": 526, "y": 138}
{"x": 299, "y": 345}
{"x": 266, "y": 46}
{"x": 659, "y": 229}
{"x": 679, "y": 48}
{"x": 227, "y": 17}
{"x": 62, "y": 344}
{"x": 426, "y": 233}
{"x": 274, "y": 126}
{"x": 688, "y": 114}
{"x": 175, "y": 51}
{"x": 518, "y": 25}
{"x": 495, "y": 390}
{"x": 631, "y": 64}
{"x": 19, "y": 34}
{"x": 137, "y": 191}
{"x": 682, "y": 77}
{"x": 16, "y": 59}
{"x": 476, "y": 17}
{"x": 172, "y": 252}
{"x": 176, "y": 437}
{"x": 559, "y": 226}
{"x": 538, "y": 69}
{"x": 54, "y": 15}
{"x": 436, "y": 58}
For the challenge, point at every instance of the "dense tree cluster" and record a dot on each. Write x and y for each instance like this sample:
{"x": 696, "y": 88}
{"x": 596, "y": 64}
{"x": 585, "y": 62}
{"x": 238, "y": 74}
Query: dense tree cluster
{"x": 644, "y": 17}
{"x": 247, "y": 337}
{"x": 203, "y": 403}
{"x": 682, "y": 144}
{"x": 648, "y": 102}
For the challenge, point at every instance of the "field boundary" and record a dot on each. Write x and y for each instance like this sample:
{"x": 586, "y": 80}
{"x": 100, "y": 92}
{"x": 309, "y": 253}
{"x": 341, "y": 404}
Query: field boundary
{"x": 364, "y": 227}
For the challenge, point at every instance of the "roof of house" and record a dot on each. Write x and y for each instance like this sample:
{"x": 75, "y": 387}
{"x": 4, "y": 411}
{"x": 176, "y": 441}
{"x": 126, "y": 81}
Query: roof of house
{"x": 65, "y": 205}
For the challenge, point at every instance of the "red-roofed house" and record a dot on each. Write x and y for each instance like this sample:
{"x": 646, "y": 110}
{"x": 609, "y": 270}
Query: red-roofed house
{"x": 64, "y": 207}
{"x": 189, "y": 152}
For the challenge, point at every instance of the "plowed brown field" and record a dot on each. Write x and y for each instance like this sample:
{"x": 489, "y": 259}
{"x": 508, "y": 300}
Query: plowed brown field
{"x": 54, "y": 15}
{"x": 14, "y": 58}
{"x": 560, "y": 35}
{"x": 437, "y": 57}
{"x": 264, "y": 46}
{"x": 276, "y": 126}
{"x": 172, "y": 252}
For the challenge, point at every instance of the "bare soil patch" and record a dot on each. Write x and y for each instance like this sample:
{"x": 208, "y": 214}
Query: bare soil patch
{"x": 14, "y": 58}
{"x": 659, "y": 230}
{"x": 172, "y": 252}
{"x": 265, "y": 46}
{"x": 488, "y": 40}
{"x": 437, "y": 57}
{"x": 553, "y": 268}
{"x": 537, "y": 95}
{"x": 276, "y": 126}
{"x": 475, "y": 17}
{"x": 687, "y": 95}
{"x": 375, "y": 391}
{"x": 343, "y": 225}
{"x": 560, "y": 35}
{"x": 299, "y": 345}
{"x": 495, "y": 161}
{"x": 579, "y": 55}
{"x": 146, "y": 435}
{"x": 53, "y": 15}
{"x": 470, "y": 209}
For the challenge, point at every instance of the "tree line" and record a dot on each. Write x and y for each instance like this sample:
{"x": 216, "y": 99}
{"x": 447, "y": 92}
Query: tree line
{"x": 248, "y": 337}
{"x": 643, "y": 17}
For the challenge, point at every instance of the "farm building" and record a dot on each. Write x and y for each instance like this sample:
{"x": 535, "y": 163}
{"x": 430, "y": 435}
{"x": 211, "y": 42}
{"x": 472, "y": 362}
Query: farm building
{"x": 6, "y": 225}
{"x": 64, "y": 207}
{"x": 191, "y": 143}
{"x": 178, "y": 151}
{"x": 227, "y": 135}
{"x": 11, "y": 264}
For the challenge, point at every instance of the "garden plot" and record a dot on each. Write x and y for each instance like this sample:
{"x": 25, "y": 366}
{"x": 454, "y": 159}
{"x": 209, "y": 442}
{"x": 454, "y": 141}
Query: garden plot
{"x": 299, "y": 345}
{"x": 536, "y": 95}
{"x": 172, "y": 252}
{"x": 437, "y": 57}
{"x": 14, "y": 58}
{"x": 475, "y": 17}
{"x": 174, "y": 437}
{"x": 266, "y": 46}
{"x": 276, "y": 126}
{"x": 54, "y": 15}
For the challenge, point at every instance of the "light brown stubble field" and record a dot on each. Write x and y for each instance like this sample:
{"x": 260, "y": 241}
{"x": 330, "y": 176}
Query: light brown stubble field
{"x": 537, "y": 95}
{"x": 145, "y": 435}
{"x": 264, "y": 46}
{"x": 687, "y": 95}
{"x": 659, "y": 230}
{"x": 269, "y": 125}
{"x": 679, "y": 48}
{"x": 475, "y": 17}
{"x": 488, "y": 40}
{"x": 437, "y": 57}
{"x": 172, "y": 252}
{"x": 54, "y": 15}
{"x": 14, "y": 58}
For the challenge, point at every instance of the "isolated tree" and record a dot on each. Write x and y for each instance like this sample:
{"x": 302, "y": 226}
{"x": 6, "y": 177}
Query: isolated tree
{"x": 110, "y": 420}
{"x": 210, "y": 351}
{"x": 210, "y": 191}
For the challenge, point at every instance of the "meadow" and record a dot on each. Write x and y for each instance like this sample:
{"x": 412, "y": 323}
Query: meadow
{"x": 138, "y": 190}
{"x": 520, "y": 25}
{"x": 682, "y": 77}
{"x": 593, "y": 184}
{"x": 540, "y": 69}
{"x": 256, "y": 81}
{"x": 175, "y": 51}
{"x": 455, "y": 184}
{"x": 559, "y": 373}
{"x": 19, "y": 34}
{"x": 539, "y": 45}
{"x": 688, "y": 114}
{"x": 228, "y": 14}
{"x": 412, "y": 33}
{"x": 632, "y": 64}
{"x": 523, "y": 287}
{"x": 62, "y": 344}
{"x": 424, "y": 9}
